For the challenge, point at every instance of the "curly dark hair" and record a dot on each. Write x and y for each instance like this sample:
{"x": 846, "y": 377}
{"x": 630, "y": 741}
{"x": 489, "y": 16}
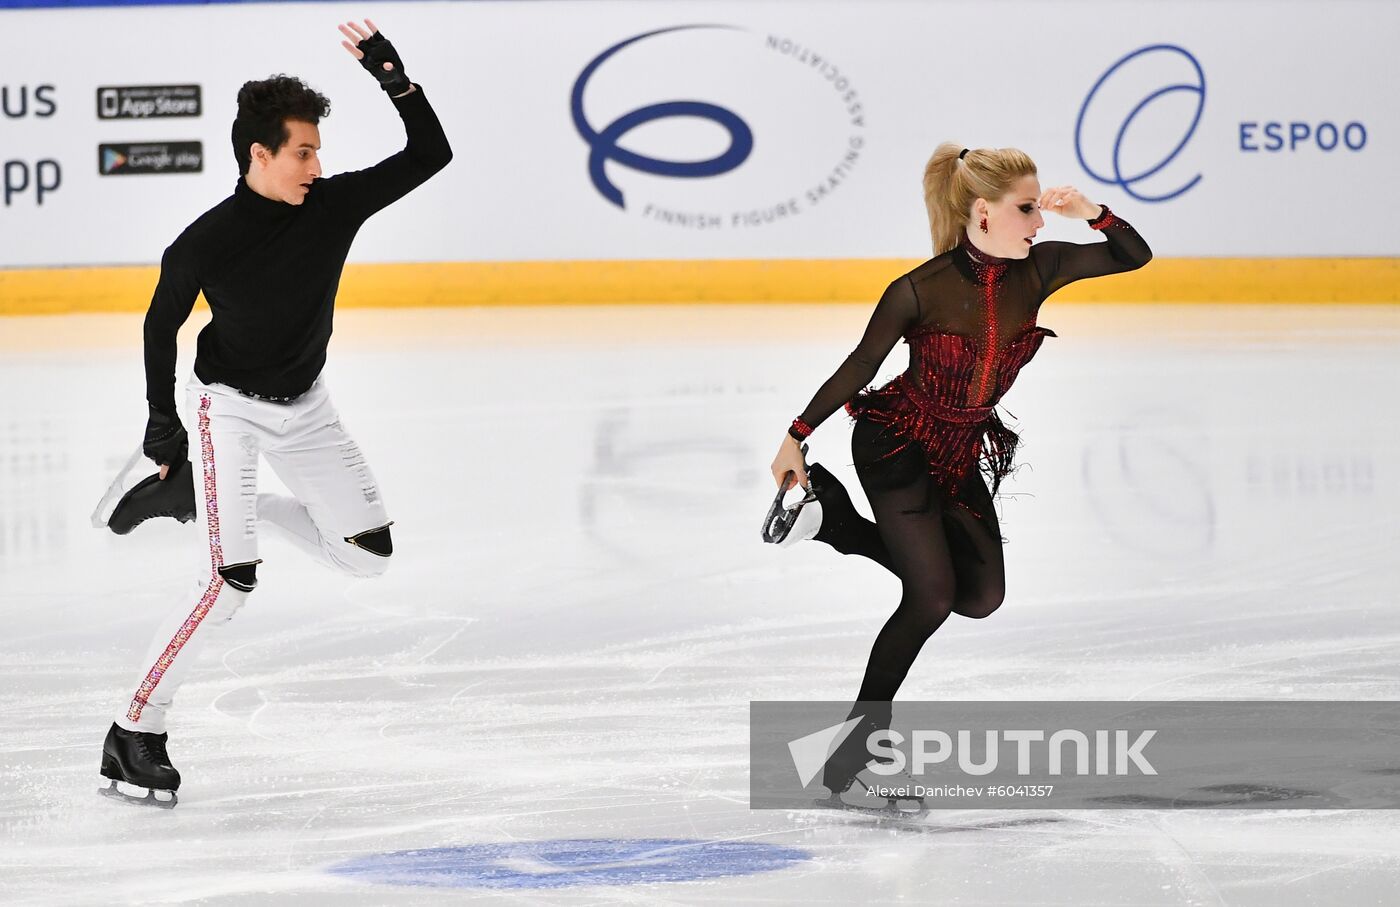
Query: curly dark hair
{"x": 265, "y": 106}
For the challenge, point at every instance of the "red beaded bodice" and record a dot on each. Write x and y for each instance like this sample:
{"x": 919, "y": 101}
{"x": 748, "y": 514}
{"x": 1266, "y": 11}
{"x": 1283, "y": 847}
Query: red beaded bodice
{"x": 963, "y": 371}
{"x": 946, "y": 399}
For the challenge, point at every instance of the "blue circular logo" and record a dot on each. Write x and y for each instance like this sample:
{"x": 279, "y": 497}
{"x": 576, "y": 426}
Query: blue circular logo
{"x": 1117, "y": 176}
{"x": 563, "y": 864}
{"x": 604, "y": 144}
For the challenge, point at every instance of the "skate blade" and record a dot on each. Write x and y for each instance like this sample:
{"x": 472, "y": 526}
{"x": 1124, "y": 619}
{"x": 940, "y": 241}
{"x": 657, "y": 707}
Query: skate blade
{"x": 884, "y": 809}
{"x": 151, "y": 797}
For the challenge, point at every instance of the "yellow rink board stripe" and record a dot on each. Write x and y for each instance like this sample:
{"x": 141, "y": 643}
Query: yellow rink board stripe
{"x": 1174, "y": 280}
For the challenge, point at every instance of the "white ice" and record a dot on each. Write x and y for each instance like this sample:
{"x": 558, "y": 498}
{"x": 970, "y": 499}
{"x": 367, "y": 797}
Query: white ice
{"x": 580, "y": 609}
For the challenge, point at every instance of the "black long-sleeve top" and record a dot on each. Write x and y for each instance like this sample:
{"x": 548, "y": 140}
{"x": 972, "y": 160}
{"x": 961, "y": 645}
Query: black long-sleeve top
{"x": 270, "y": 271}
{"x": 990, "y": 301}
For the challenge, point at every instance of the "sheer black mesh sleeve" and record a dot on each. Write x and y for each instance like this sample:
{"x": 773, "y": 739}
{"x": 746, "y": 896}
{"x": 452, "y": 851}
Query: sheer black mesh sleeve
{"x": 1062, "y": 263}
{"x": 897, "y": 312}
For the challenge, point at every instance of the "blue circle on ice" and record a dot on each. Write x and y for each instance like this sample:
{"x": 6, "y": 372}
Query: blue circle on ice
{"x": 562, "y": 864}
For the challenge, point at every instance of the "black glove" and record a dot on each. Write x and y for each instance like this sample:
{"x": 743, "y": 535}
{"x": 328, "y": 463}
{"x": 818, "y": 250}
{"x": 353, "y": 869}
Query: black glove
{"x": 377, "y": 51}
{"x": 166, "y": 441}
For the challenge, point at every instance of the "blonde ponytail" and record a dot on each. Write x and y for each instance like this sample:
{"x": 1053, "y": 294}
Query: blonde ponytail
{"x": 955, "y": 177}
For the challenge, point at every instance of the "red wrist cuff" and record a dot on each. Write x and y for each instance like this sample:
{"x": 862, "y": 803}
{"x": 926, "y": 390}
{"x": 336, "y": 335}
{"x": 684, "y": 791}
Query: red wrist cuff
{"x": 800, "y": 430}
{"x": 1105, "y": 219}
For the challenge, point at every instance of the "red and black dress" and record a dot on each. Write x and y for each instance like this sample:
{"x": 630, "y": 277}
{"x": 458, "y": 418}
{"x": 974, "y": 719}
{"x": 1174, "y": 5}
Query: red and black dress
{"x": 970, "y": 322}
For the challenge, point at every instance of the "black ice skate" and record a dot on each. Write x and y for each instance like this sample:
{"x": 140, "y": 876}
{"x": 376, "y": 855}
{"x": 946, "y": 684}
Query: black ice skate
{"x": 855, "y": 785}
{"x": 886, "y": 795}
{"x": 139, "y": 761}
{"x": 785, "y": 525}
{"x": 152, "y": 497}
{"x": 874, "y": 792}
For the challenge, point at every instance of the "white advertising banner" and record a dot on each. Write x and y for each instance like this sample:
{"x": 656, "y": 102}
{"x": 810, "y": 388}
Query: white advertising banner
{"x": 753, "y": 130}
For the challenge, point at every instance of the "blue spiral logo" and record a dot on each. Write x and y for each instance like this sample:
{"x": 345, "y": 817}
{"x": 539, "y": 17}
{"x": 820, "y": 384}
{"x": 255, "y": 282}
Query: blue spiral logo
{"x": 1127, "y": 180}
{"x": 604, "y": 144}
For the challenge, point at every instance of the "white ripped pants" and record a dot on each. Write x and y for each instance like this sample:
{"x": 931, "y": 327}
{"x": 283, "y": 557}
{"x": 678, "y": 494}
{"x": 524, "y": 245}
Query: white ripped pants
{"x": 336, "y": 501}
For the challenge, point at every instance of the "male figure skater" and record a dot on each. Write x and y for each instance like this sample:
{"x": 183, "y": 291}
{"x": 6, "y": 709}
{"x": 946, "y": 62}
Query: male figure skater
{"x": 268, "y": 260}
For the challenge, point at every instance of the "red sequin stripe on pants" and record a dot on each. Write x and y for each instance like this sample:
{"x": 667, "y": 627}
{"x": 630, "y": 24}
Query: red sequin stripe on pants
{"x": 216, "y": 580}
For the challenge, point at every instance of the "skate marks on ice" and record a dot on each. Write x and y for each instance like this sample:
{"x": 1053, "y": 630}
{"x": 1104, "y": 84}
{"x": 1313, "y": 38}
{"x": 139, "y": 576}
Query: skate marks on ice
{"x": 928, "y": 822}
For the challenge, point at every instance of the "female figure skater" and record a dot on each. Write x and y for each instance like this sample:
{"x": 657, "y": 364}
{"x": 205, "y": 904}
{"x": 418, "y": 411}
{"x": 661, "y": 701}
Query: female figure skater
{"x": 969, "y": 316}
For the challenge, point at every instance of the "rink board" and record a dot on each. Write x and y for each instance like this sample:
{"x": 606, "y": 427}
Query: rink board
{"x": 128, "y": 289}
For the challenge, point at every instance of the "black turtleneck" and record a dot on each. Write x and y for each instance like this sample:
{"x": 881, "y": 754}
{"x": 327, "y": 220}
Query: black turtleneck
{"x": 269, "y": 271}
{"x": 987, "y": 299}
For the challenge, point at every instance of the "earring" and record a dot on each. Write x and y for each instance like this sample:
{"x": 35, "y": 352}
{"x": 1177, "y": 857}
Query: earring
{"x": 983, "y": 225}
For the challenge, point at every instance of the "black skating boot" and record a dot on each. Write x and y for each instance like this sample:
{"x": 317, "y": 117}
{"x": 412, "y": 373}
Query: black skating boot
{"x": 839, "y": 524}
{"x": 851, "y": 757}
{"x": 835, "y": 501}
{"x": 153, "y": 496}
{"x": 852, "y": 782}
{"x": 825, "y": 513}
{"x": 139, "y": 760}
{"x": 824, "y": 504}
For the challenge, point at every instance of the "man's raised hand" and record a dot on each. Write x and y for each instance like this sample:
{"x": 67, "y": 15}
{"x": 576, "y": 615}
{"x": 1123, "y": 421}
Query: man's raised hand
{"x": 377, "y": 55}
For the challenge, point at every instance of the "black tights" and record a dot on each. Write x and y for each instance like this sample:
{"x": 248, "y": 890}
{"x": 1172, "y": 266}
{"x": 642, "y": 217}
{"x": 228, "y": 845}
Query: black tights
{"x": 949, "y": 561}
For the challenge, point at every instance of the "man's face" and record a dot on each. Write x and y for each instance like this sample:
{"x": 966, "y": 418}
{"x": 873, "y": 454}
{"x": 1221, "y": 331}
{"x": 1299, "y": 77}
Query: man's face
{"x": 287, "y": 175}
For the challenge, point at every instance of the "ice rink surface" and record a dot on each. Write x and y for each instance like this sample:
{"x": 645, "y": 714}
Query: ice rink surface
{"x": 580, "y": 610}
